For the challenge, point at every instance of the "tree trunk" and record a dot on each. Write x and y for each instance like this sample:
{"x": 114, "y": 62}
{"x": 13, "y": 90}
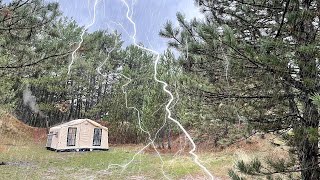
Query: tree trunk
{"x": 169, "y": 136}
{"x": 309, "y": 160}
{"x": 308, "y": 145}
{"x": 71, "y": 109}
{"x": 47, "y": 124}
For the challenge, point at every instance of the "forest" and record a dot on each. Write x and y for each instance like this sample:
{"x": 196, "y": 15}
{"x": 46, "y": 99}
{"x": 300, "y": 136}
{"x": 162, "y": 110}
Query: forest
{"x": 248, "y": 67}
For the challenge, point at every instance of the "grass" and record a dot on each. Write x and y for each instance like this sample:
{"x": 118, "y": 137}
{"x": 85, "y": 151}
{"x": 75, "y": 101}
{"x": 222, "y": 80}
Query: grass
{"x": 33, "y": 161}
{"x": 28, "y": 159}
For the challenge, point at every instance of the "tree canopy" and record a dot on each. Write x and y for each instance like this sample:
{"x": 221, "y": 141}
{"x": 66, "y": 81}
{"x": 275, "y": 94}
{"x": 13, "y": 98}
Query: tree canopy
{"x": 247, "y": 66}
{"x": 262, "y": 57}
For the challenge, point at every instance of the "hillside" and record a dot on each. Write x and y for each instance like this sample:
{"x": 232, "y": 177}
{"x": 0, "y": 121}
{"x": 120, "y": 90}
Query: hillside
{"x": 13, "y": 132}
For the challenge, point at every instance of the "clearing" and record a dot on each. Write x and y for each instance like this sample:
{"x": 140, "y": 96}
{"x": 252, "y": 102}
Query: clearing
{"x": 23, "y": 156}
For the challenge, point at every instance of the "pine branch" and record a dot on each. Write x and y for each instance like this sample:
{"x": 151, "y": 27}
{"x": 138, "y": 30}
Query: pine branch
{"x": 258, "y": 5}
{"x": 36, "y": 62}
{"x": 283, "y": 17}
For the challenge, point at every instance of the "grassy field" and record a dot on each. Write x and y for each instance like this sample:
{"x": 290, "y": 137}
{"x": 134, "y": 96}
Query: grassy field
{"x": 32, "y": 161}
{"x": 25, "y": 157}
{"x": 35, "y": 162}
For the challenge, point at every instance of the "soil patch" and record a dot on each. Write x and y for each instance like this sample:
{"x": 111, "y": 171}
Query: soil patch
{"x": 18, "y": 163}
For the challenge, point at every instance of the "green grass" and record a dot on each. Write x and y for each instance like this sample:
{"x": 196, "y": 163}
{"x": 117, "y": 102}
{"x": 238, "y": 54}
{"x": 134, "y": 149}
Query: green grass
{"x": 35, "y": 162}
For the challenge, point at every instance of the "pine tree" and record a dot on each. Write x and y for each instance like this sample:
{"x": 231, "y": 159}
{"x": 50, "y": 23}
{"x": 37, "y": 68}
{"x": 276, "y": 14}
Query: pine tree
{"x": 261, "y": 57}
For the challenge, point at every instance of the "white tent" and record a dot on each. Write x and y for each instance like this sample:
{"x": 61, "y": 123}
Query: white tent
{"x": 80, "y": 134}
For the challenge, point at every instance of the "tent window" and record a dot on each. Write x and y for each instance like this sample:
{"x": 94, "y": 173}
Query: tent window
{"x": 71, "y": 138}
{"x": 97, "y": 137}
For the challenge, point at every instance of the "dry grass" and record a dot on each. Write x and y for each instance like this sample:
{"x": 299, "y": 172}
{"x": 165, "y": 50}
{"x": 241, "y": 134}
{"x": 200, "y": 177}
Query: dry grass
{"x": 24, "y": 151}
{"x": 15, "y": 133}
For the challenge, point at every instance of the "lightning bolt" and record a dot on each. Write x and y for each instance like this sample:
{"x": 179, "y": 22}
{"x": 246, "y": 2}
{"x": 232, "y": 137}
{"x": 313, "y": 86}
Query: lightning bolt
{"x": 73, "y": 54}
{"x": 151, "y": 140}
{"x": 165, "y": 89}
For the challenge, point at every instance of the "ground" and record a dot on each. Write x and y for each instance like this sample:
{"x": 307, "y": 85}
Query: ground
{"x": 24, "y": 156}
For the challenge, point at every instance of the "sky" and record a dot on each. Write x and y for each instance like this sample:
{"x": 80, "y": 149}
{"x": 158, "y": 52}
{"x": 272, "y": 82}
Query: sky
{"x": 149, "y": 16}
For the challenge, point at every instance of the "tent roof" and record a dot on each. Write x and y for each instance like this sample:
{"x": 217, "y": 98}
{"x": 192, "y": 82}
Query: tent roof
{"x": 79, "y": 121}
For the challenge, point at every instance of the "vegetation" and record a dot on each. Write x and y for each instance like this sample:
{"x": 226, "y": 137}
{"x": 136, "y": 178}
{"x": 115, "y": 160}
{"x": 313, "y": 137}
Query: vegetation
{"x": 27, "y": 157}
{"x": 94, "y": 88}
{"x": 94, "y": 164}
{"x": 261, "y": 59}
{"x": 248, "y": 66}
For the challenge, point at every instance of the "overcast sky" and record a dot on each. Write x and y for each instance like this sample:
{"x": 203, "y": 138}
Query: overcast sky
{"x": 149, "y": 16}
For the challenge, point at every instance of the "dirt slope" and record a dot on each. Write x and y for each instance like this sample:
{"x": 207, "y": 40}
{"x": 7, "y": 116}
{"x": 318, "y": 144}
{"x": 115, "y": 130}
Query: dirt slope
{"x": 13, "y": 131}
